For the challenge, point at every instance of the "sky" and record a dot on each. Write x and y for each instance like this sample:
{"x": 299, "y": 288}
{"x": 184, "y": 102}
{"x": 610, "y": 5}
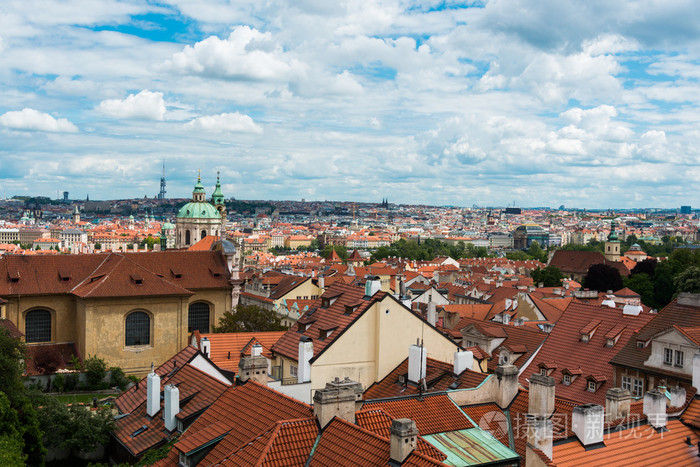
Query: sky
{"x": 590, "y": 104}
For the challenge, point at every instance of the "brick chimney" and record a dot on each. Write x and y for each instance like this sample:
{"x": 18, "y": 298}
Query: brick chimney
{"x": 540, "y": 409}
{"x": 507, "y": 377}
{"x": 152, "y": 393}
{"x": 655, "y": 409}
{"x": 617, "y": 404}
{"x": 171, "y": 406}
{"x": 403, "y": 439}
{"x": 587, "y": 424}
{"x": 254, "y": 368}
{"x": 335, "y": 401}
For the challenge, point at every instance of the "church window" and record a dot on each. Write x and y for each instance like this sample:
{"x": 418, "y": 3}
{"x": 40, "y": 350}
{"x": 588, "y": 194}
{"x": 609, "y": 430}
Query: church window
{"x": 198, "y": 317}
{"x": 188, "y": 237}
{"x": 138, "y": 329}
{"x": 37, "y": 326}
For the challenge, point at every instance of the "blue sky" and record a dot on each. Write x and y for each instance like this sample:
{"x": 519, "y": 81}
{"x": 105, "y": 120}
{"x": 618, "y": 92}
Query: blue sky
{"x": 588, "y": 104}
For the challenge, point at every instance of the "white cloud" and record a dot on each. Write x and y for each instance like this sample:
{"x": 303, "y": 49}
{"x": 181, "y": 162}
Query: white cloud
{"x": 247, "y": 54}
{"x": 144, "y": 105}
{"x": 30, "y": 119}
{"x": 226, "y": 122}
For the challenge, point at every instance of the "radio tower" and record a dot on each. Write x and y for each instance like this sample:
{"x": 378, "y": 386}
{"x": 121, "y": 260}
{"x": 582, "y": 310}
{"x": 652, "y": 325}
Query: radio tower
{"x": 161, "y": 194}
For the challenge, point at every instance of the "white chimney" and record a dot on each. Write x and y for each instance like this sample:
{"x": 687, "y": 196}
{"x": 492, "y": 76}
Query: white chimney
{"x": 655, "y": 408}
{"x": 256, "y": 350}
{"x": 696, "y": 371}
{"x": 463, "y": 361}
{"x": 431, "y": 316}
{"x": 171, "y": 406}
{"x": 321, "y": 281}
{"x": 372, "y": 285}
{"x": 306, "y": 353}
{"x": 152, "y": 393}
{"x": 632, "y": 310}
{"x": 205, "y": 347}
{"x": 677, "y": 397}
{"x": 417, "y": 360}
{"x": 617, "y": 404}
{"x": 587, "y": 423}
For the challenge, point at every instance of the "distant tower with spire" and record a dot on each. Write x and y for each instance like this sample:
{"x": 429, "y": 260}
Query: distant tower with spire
{"x": 161, "y": 193}
{"x": 612, "y": 246}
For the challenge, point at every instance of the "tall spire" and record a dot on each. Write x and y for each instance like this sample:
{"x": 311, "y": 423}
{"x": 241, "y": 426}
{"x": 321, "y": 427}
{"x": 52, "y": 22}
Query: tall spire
{"x": 217, "y": 198}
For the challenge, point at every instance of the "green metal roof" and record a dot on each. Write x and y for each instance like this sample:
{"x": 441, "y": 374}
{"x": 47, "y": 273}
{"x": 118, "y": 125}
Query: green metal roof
{"x": 194, "y": 210}
{"x": 472, "y": 446}
{"x": 217, "y": 197}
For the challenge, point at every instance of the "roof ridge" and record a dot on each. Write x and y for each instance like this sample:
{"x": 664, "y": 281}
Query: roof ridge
{"x": 92, "y": 273}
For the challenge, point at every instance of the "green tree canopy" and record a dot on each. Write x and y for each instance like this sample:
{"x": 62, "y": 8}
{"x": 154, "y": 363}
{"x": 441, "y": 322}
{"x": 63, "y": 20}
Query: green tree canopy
{"x": 550, "y": 276}
{"x": 688, "y": 280}
{"x": 249, "y": 318}
{"x": 602, "y": 277}
{"x": 643, "y": 285}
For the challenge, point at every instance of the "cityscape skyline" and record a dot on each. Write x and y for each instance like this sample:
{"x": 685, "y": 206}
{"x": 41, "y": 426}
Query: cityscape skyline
{"x": 492, "y": 103}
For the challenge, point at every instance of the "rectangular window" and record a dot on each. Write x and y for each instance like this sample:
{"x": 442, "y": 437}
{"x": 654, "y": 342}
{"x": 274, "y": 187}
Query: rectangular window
{"x": 679, "y": 358}
{"x": 543, "y": 371}
{"x": 668, "y": 357}
{"x": 591, "y": 386}
{"x": 567, "y": 379}
{"x": 627, "y": 383}
{"x": 638, "y": 387}
{"x": 293, "y": 371}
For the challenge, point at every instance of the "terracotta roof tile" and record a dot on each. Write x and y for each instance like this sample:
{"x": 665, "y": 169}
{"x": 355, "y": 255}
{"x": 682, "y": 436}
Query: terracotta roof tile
{"x": 11, "y": 328}
{"x": 226, "y": 349}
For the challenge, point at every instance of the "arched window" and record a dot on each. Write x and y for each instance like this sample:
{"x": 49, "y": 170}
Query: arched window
{"x": 204, "y": 233}
{"x": 198, "y": 317}
{"x": 187, "y": 237}
{"x": 138, "y": 329}
{"x": 37, "y": 326}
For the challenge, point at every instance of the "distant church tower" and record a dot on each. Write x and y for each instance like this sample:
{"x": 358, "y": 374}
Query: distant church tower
{"x": 76, "y": 215}
{"x": 161, "y": 194}
{"x": 612, "y": 246}
{"x": 198, "y": 218}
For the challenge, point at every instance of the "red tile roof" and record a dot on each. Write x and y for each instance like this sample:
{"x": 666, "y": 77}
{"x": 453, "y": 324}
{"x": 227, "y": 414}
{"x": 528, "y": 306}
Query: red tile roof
{"x": 324, "y": 318}
{"x": 691, "y": 416}
{"x": 564, "y": 347}
{"x": 439, "y": 377}
{"x": 635, "y": 446}
{"x": 432, "y": 413}
{"x": 11, "y": 328}
{"x": 226, "y": 349}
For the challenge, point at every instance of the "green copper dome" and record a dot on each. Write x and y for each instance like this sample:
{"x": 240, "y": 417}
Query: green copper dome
{"x": 217, "y": 197}
{"x": 167, "y": 226}
{"x": 613, "y": 235}
{"x": 198, "y": 188}
{"x": 194, "y": 210}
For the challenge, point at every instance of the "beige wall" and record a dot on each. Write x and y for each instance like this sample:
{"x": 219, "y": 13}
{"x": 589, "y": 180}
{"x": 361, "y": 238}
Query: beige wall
{"x": 308, "y": 289}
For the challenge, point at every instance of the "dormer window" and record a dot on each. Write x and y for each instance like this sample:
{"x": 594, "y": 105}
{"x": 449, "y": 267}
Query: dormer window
{"x": 668, "y": 356}
{"x": 567, "y": 379}
{"x": 593, "y": 382}
{"x": 678, "y": 360}
{"x": 591, "y": 386}
{"x": 589, "y": 330}
{"x": 543, "y": 371}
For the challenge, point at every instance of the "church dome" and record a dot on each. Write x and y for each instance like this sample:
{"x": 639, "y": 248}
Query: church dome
{"x": 198, "y": 210}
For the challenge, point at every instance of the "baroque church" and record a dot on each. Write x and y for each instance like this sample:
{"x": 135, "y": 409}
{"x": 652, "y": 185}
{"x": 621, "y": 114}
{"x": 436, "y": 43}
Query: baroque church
{"x": 199, "y": 218}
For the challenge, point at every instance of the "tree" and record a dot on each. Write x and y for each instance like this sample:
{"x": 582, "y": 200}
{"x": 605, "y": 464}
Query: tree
{"x": 249, "y": 318}
{"x": 518, "y": 256}
{"x": 98, "y": 246}
{"x": 688, "y": 280}
{"x": 12, "y": 354}
{"x": 645, "y": 267}
{"x": 602, "y": 277}
{"x": 340, "y": 249}
{"x": 536, "y": 252}
{"x": 643, "y": 285}
{"x": 550, "y": 276}
{"x": 663, "y": 283}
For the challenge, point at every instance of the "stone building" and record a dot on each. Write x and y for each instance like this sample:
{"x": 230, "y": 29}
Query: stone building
{"x": 199, "y": 218}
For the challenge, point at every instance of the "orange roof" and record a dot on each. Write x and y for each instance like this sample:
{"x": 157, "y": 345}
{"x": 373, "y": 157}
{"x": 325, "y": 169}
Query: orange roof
{"x": 205, "y": 243}
{"x": 226, "y": 349}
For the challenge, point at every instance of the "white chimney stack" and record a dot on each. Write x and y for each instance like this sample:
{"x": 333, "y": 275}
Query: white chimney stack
{"x": 171, "y": 406}
{"x": 431, "y": 316}
{"x": 655, "y": 408}
{"x": 256, "y": 350}
{"x": 463, "y": 361}
{"x": 587, "y": 423}
{"x": 152, "y": 393}
{"x": 372, "y": 285}
{"x": 321, "y": 281}
{"x": 403, "y": 439}
{"x": 205, "y": 346}
{"x": 306, "y": 353}
{"x": 696, "y": 371}
{"x": 417, "y": 360}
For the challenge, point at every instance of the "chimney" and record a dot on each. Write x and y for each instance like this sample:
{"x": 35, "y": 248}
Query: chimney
{"x": 254, "y": 368}
{"x": 539, "y": 435}
{"x": 321, "y": 281}
{"x": 541, "y": 399}
{"x": 332, "y": 402}
{"x": 617, "y": 404}
{"x": 306, "y": 353}
{"x": 152, "y": 393}
{"x": 587, "y": 424}
{"x": 403, "y": 439}
{"x": 507, "y": 376}
{"x": 677, "y": 397}
{"x": 696, "y": 371}
{"x": 655, "y": 409}
{"x": 171, "y": 406}
{"x": 354, "y": 386}
{"x": 205, "y": 346}
{"x": 256, "y": 350}
{"x": 463, "y": 361}
{"x": 417, "y": 360}
{"x": 431, "y": 316}
{"x": 372, "y": 285}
